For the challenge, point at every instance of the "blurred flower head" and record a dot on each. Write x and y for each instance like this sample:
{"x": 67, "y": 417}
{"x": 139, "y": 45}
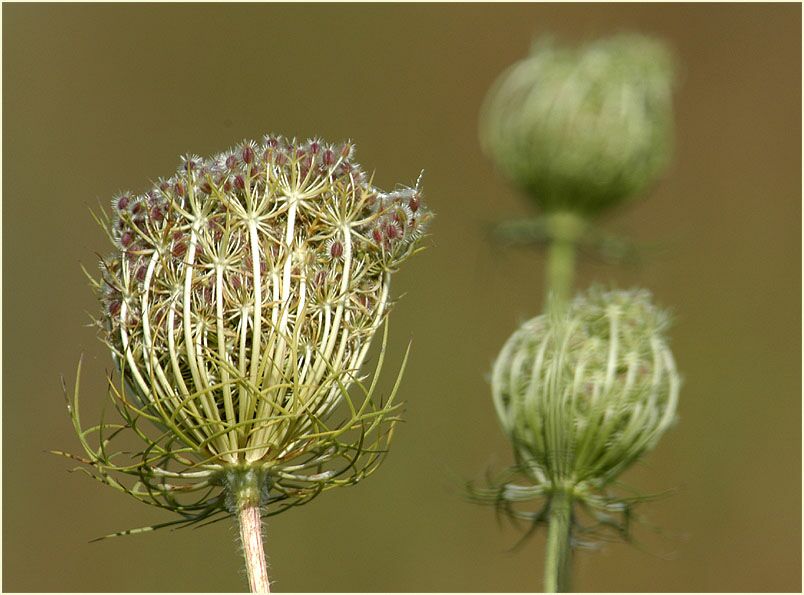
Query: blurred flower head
{"x": 239, "y": 304}
{"x": 583, "y": 393}
{"x": 582, "y": 129}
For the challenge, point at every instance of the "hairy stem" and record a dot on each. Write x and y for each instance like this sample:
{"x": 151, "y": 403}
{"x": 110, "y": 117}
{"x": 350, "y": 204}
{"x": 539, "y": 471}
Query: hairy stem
{"x": 251, "y": 537}
{"x": 245, "y": 486}
{"x": 559, "y": 546}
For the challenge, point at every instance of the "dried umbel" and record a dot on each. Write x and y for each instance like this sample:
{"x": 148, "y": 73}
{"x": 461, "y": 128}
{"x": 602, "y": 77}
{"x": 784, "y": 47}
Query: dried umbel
{"x": 239, "y": 304}
{"x": 582, "y": 393}
{"x": 582, "y": 129}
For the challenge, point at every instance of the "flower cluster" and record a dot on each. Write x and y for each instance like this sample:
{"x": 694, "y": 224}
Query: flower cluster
{"x": 240, "y": 303}
{"x": 582, "y": 394}
{"x": 582, "y": 129}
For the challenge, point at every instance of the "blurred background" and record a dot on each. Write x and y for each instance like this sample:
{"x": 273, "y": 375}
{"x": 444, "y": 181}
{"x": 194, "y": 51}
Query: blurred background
{"x": 99, "y": 98}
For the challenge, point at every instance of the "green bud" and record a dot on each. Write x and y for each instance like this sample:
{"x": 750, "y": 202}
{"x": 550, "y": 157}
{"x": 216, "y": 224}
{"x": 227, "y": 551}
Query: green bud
{"x": 582, "y": 129}
{"x": 583, "y": 393}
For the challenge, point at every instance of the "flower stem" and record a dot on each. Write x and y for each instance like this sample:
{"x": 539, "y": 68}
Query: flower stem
{"x": 245, "y": 485}
{"x": 560, "y": 269}
{"x": 251, "y": 537}
{"x": 559, "y": 546}
{"x": 565, "y": 229}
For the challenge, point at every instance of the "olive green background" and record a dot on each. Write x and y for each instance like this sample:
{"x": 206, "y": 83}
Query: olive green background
{"x": 99, "y": 98}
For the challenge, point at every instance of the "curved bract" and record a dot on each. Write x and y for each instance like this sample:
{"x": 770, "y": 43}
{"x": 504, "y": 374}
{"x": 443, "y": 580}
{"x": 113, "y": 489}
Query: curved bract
{"x": 240, "y": 304}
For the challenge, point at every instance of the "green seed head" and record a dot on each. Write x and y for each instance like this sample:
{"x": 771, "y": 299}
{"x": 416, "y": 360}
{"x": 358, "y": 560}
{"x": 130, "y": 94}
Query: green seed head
{"x": 582, "y": 129}
{"x": 239, "y": 304}
{"x": 583, "y": 393}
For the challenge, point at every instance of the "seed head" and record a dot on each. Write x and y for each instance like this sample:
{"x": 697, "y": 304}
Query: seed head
{"x": 240, "y": 305}
{"x": 582, "y": 129}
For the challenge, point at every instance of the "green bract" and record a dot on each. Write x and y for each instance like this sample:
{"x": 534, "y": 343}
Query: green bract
{"x": 239, "y": 304}
{"x": 582, "y": 129}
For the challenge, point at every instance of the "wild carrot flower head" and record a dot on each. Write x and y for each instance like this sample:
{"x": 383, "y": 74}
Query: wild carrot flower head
{"x": 582, "y": 129}
{"x": 239, "y": 304}
{"x": 583, "y": 393}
